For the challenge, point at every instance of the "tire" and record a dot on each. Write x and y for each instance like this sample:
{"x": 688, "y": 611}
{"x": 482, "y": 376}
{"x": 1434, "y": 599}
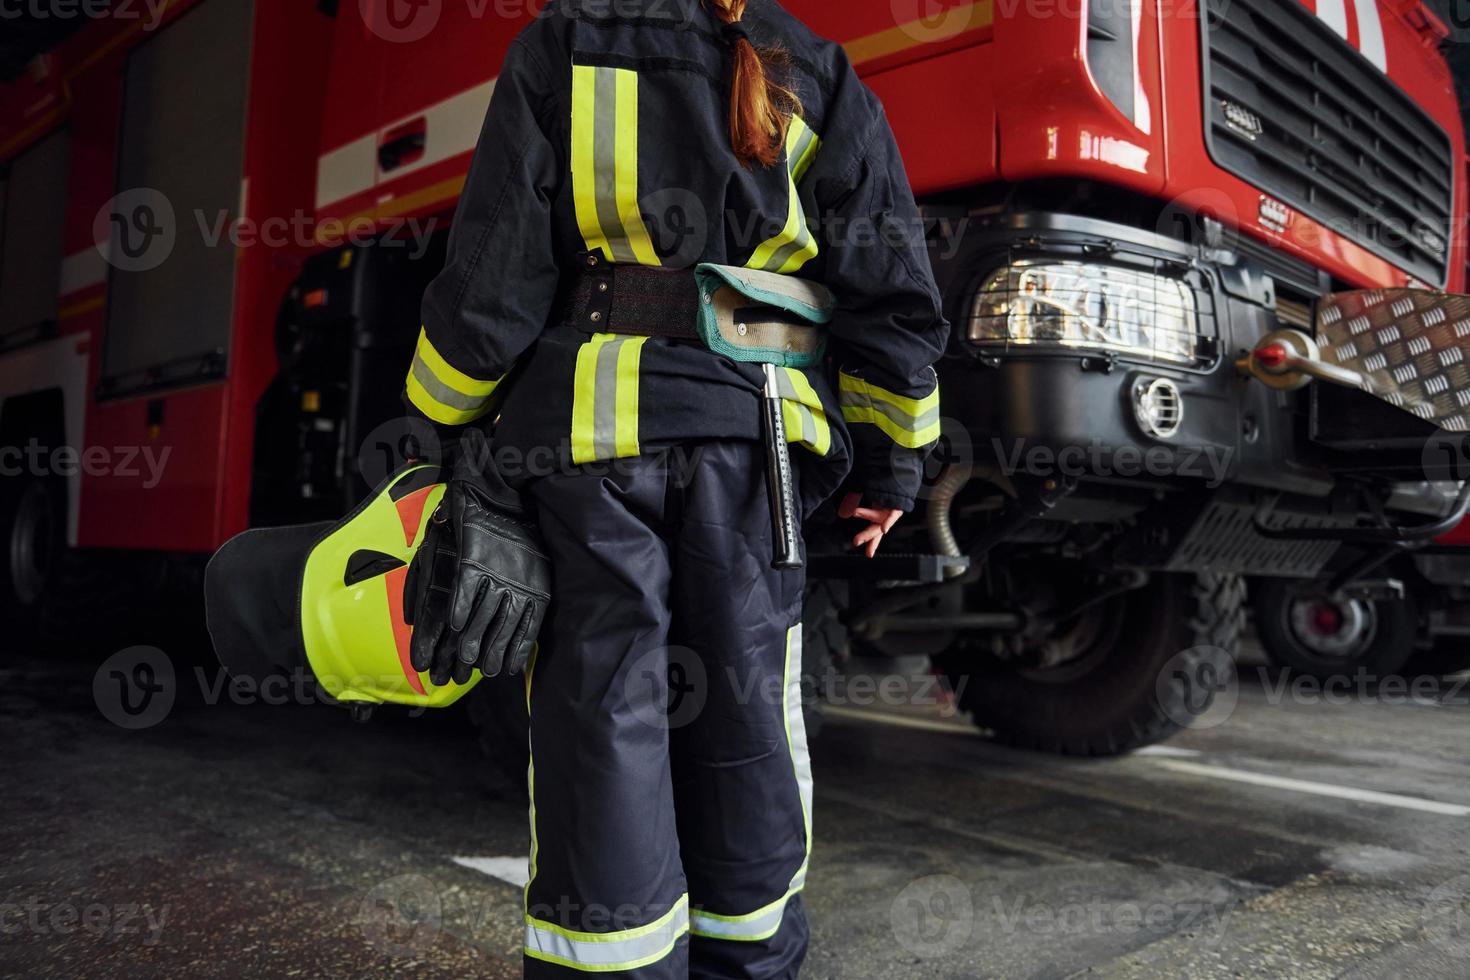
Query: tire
{"x": 32, "y": 544}
{"x": 1169, "y": 647}
{"x": 1373, "y": 636}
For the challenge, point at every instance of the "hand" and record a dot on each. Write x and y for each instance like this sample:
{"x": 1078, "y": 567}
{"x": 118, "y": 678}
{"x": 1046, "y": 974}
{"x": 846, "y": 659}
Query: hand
{"x": 478, "y": 588}
{"x": 880, "y": 521}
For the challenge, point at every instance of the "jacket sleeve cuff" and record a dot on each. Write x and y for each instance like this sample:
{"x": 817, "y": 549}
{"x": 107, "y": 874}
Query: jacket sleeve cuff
{"x": 882, "y": 499}
{"x": 443, "y": 393}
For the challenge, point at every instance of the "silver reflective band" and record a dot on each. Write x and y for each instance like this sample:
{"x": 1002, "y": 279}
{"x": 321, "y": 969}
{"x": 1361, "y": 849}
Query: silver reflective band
{"x": 754, "y": 927}
{"x": 896, "y": 415}
{"x": 764, "y": 922}
{"x": 603, "y": 952}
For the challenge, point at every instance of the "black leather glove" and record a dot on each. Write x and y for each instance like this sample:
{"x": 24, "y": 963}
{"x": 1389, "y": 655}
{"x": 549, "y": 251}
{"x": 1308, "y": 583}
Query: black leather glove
{"x": 478, "y": 587}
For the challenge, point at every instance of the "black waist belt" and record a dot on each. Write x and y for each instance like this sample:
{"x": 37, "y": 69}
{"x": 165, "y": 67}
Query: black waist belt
{"x": 645, "y": 301}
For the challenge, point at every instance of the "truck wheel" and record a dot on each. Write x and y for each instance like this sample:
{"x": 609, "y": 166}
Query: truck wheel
{"x": 1104, "y": 697}
{"x": 1323, "y": 637}
{"x": 33, "y": 537}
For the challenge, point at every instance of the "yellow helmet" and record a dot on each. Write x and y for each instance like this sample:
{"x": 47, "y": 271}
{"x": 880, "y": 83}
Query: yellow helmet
{"x": 328, "y": 598}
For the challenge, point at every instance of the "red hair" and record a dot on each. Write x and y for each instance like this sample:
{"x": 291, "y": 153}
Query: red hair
{"x": 760, "y": 107}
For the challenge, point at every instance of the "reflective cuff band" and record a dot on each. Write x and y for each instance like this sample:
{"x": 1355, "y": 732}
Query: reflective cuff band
{"x": 806, "y": 422}
{"x": 443, "y": 392}
{"x": 606, "y": 952}
{"x": 605, "y": 398}
{"x": 752, "y": 928}
{"x": 910, "y": 422}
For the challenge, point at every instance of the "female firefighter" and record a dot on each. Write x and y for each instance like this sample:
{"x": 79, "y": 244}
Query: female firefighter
{"x": 675, "y": 206}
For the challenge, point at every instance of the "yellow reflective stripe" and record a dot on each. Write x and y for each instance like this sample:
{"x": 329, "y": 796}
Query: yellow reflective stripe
{"x": 447, "y": 373}
{"x": 605, "y": 398}
{"x": 794, "y": 245}
{"x": 806, "y": 421}
{"x": 584, "y": 158}
{"x": 626, "y": 425}
{"x": 627, "y": 168}
{"x": 806, "y": 155}
{"x": 605, "y": 116}
{"x": 443, "y": 392}
{"x": 599, "y": 952}
{"x": 584, "y": 400}
{"x": 440, "y": 413}
{"x": 753, "y": 927}
{"x": 910, "y": 422}
{"x": 531, "y": 784}
{"x": 765, "y": 921}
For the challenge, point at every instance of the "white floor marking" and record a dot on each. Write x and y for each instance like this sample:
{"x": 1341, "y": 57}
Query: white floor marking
{"x": 1318, "y": 789}
{"x": 899, "y": 721}
{"x": 511, "y": 870}
{"x": 1168, "y": 751}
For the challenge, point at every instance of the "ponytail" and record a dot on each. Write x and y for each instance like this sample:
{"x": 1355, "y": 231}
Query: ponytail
{"x": 760, "y": 107}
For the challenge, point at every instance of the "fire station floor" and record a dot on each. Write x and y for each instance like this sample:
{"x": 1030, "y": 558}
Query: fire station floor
{"x": 1305, "y": 836}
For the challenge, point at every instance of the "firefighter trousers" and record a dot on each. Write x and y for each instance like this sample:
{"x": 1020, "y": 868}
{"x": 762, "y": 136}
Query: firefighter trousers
{"x": 670, "y": 785}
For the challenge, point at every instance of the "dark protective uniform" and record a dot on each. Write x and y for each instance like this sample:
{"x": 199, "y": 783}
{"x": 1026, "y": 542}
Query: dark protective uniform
{"x": 671, "y": 833}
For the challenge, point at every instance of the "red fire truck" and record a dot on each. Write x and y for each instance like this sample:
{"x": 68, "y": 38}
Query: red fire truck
{"x": 219, "y": 216}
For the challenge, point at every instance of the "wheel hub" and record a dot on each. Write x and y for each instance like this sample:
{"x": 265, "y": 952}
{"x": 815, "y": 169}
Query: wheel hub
{"x": 1333, "y": 628}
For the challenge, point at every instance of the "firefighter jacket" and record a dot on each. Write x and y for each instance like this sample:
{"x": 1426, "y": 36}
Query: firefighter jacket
{"x": 608, "y": 134}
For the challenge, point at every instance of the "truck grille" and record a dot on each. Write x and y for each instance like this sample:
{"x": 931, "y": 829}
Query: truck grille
{"x": 1291, "y": 108}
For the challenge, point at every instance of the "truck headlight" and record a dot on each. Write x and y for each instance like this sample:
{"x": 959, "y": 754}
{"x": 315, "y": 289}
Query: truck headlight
{"x": 1039, "y": 304}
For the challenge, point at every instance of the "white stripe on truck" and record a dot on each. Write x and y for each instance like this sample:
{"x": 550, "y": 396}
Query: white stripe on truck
{"x": 451, "y": 127}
